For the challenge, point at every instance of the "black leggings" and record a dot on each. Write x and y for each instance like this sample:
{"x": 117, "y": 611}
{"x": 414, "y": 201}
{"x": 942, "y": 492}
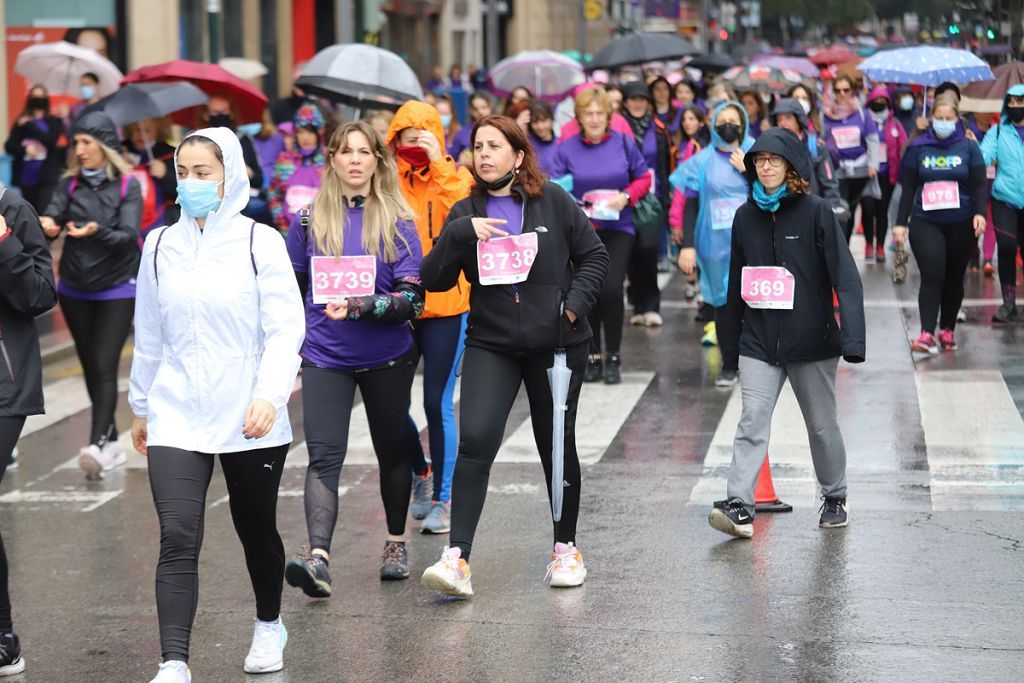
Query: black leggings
{"x": 643, "y": 280}
{"x": 850, "y": 189}
{"x": 327, "y": 399}
{"x": 875, "y": 212}
{"x": 179, "y": 480}
{"x": 490, "y": 383}
{"x": 942, "y": 251}
{"x": 100, "y": 329}
{"x": 609, "y": 308}
{"x": 1009, "y": 224}
{"x": 10, "y": 430}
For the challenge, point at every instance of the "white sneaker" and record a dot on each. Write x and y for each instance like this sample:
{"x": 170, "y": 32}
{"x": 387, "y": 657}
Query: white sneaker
{"x": 653, "y": 319}
{"x": 267, "y": 651}
{"x": 173, "y": 671}
{"x": 96, "y": 461}
{"x": 637, "y": 319}
{"x": 14, "y": 460}
{"x": 449, "y": 575}
{"x": 566, "y": 569}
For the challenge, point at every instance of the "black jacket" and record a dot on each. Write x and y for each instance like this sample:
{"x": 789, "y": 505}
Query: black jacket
{"x": 570, "y": 269}
{"x": 824, "y": 182}
{"x": 30, "y": 130}
{"x": 804, "y": 237}
{"x": 111, "y": 256}
{"x": 26, "y": 290}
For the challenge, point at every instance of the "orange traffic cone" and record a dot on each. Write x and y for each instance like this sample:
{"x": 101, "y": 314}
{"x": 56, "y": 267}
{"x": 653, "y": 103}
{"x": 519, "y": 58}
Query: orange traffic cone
{"x": 765, "y": 499}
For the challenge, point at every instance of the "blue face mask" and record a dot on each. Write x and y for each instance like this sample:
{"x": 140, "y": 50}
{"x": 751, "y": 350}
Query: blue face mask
{"x": 943, "y": 129}
{"x": 446, "y": 120}
{"x": 251, "y": 129}
{"x": 199, "y": 197}
{"x": 88, "y": 92}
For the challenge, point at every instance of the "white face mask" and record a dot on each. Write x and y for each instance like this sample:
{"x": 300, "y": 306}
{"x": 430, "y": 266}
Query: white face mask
{"x": 806, "y": 105}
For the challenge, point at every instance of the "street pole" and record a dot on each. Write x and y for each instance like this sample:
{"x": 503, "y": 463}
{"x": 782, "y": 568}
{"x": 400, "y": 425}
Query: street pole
{"x": 213, "y": 9}
{"x": 582, "y": 29}
{"x": 491, "y": 26}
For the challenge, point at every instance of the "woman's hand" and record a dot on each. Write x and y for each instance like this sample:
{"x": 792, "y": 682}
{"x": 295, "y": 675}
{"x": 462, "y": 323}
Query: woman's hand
{"x": 430, "y": 145}
{"x": 571, "y": 315}
{"x": 620, "y": 202}
{"x": 736, "y": 159}
{"x": 687, "y": 260}
{"x": 87, "y": 230}
{"x": 922, "y": 123}
{"x": 158, "y": 169}
{"x": 337, "y": 310}
{"x": 486, "y": 228}
{"x": 50, "y": 228}
{"x": 872, "y": 171}
{"x": 677, "y": 236}
{"x": 140, "y": 435}
{"x": 259, "y": 419}
{"x": 523, "y": 120}
{"x": 979, "y": 225}
{"x": 900, "y": 233}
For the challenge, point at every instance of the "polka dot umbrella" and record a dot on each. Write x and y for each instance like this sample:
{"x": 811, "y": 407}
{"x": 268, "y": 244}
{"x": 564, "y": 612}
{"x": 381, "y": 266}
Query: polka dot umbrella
{"x": 925, "y": 65}
{"x": 761, "y": 77}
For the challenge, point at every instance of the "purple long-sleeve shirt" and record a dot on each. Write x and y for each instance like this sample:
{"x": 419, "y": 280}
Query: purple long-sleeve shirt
{"x": 546, "y": 152}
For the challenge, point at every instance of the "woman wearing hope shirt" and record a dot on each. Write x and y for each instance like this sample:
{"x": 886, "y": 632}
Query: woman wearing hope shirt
{"x": 944, "y": 184}
{"x": 529, "y": 299}
{"x": 852, "y": 139}
{"x": 788, "y": 255}
{"x": 361, "y": 339}
{"x": 218, "y": 325}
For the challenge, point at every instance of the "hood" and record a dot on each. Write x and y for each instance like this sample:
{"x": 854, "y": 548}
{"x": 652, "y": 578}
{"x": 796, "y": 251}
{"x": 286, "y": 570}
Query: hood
{"x": 236, "y": 179}
{"x": 788, "y": 105}
{"x": 716, "y": 140}
{"x": 881, "y": 91}
{"x": 416, "y": 114}
{"x": 786, "y": 145}
{"x": 100, "y": 126}
{"x": 1016, "y": 91}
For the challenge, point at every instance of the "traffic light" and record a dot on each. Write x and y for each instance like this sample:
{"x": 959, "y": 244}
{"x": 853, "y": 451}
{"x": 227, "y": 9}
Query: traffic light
{"x": 990, "y": 34}
{"x": 723, "y": 35}
{"x": 954, "y": 30}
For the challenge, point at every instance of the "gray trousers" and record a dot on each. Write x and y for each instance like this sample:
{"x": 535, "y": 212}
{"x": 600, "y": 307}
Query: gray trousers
{"x": 815, "y": 387}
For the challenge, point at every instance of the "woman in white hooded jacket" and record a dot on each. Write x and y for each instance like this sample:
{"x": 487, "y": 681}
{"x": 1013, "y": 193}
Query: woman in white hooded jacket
{"x": 218, "y": 326}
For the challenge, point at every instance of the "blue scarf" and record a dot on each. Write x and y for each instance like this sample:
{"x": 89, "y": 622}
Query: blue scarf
{"x": 768, "y": 202}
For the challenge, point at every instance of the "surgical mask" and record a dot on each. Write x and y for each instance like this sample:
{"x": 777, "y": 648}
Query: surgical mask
{"x": 88, "y": 92}
{"x": 729, "y": 132}
{"x": 414, "y": 154}
{"x": 446, "y": 120}
{"x": 199, "y": 197}
{"x": 1016, "y": 114}
{"x": 220, "y": 120}
{"x": 806, "y": 106}
{"x": 907, "y": 102}
{"x": 499, "y": 183}
{"x": 252, "y": 129}
{"x": 943, "y": 129}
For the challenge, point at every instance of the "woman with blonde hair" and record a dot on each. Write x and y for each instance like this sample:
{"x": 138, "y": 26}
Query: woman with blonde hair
{"x": 99, "y": 206}
{"x": 356, "y": 257}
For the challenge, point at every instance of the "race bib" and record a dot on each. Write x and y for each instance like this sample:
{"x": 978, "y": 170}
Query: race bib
{"x": 990, "y": 172}
{"x": 334, "y": 279}
{"x": 506, "y": 260}
{"x": 768, "y": 287}
{"x": 723, "y": 211}
{"x": 883, "y": 152}
{"x": 299, "y": 197}
{"x": 595, "y": 205}
{"x": 940, "y": 194}
{"x": 34, "y": 150}
{"x": 846, "y": 137}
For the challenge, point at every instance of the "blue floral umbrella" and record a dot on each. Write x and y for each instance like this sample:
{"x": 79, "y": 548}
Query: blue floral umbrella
{"x": 925, "y": 65}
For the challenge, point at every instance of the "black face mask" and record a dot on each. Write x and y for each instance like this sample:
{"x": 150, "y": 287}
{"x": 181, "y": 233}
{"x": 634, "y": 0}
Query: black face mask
{"x": 38, "y": 103}
{"x": 729, "y": 132}
{"x": 1016, "y": 114}
{"x": 220, "y": 120}
{"x": 499, "y": 183}
{"x": 878, "y": 107}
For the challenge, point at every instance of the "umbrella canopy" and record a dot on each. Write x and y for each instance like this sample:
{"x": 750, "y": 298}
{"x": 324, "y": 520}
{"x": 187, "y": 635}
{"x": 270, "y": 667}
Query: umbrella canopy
{"x": 761, "y": 77}
{"x": 211, "y": 79}
{"x": 548, "y": 75}
{"x": 832, "y": 55}
{"x": 712, "y": 61}
{"x": 925, "y": 65}
{"x": 244, "y": 68}
{"x": 1005, "y": 75}
{"x": 798, "y": 64}
{"x": 638, "y": 48}
{"x": 559, "y": 376}
{"x": 138, "y": 101}
{"x": 358, "y": 74}
{"x": 59, "y": 66}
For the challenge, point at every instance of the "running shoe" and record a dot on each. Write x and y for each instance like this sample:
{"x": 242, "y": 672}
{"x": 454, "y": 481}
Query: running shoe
{"x": 612, "y": 369}
{"x": 988, "y": 269}
{"x": 11, "y": 661}
{"x": 689, "y": 291}
{"x": 394, "y": 562}
{"x": 961, "y": 316}
{"x": 726, "y": 379}
{"x": 438, "y": 520}
{"x": 566, "y": 569}
{"x": 173, "y": 671}
{"x": 1005, "y": 315}
{"x": 834, "y": 513}
{"x": 869, "y": 254}
{"x": 14, "y": 460}
{"x": 880, "y": 253}
{"x": 732, "y": 517}
{"x": 422, "y": 493}
{"x": 595, "y": 370}
{"x": 653, "y": 319}
{"x": 309, "y": 572}
{"x": 449, "y": 575}
{"x": 267, "y": 651}
{"x": 96, "y": 461}
{"x": 947, "y": 341}
{"x": 637, "y": 320}
{"x": 925, "y": 344}
{"x": 710, "y": 337}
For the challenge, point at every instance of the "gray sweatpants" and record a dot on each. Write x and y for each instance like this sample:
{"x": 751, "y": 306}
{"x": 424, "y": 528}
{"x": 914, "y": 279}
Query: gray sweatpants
{"x": 815, "y": 387}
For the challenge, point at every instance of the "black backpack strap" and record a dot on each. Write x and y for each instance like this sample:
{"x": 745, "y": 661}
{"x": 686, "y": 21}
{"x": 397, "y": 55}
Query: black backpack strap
{"x": 252, "y": 256}
{"x": 156, "y": 252}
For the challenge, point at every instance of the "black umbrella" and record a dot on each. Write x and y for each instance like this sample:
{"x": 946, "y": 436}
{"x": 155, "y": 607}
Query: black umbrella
{"x": 712, "y": 61}
{"x": 139, "y": 101}
{"x": 638, "y": 48}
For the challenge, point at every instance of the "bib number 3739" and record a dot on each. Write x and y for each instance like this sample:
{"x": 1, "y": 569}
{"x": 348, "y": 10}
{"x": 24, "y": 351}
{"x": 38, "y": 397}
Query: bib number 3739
{"x": 768, "y": 287}
{"x": 334, "y": 279}
{"x": 506, "y": 260}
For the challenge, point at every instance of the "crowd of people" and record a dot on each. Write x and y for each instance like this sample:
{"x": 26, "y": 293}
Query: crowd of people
{"x": 491, "y": 249}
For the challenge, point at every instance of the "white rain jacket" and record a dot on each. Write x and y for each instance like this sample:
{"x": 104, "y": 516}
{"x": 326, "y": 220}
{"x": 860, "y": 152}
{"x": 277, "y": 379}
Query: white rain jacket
{"x": 210, "y": 334}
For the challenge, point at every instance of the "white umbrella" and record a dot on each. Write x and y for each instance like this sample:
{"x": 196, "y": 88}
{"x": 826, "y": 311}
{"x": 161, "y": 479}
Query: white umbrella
{"x": 547, "y": 74}
{"x": 559, "y": 376}
{"x": 243, "y": 68}
{"x": 59, "y": 67}
{"x": 360, "y": 75}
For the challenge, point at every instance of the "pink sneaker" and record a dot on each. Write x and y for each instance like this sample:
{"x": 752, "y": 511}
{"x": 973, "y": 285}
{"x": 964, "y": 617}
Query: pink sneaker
{"x": 947, "y": 340}
{"x": 925, "y": 344}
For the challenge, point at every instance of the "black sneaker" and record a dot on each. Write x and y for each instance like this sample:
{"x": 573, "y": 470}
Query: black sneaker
{"x": 834, "y": 514}
{"x": 10, "y": 655}
{"x": 732, "y": 517}
{"x": 394, "y": 564}
{"x": 595, "y": 370}
{"x": 309, "y": 572}
{"x": 1005, "y": 315}
{"x": 612, "y": 369}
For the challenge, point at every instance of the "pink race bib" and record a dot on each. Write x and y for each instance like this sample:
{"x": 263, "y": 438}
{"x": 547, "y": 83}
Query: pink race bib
{"x": 334, "y": 279}
{"x": 846, "y": 137}
{"x": 768, "y": 287}
{"x": 940, "y": 194}
{"x": 506, "y": 260}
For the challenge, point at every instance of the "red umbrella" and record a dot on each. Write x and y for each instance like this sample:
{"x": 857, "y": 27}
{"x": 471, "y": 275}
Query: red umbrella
{"x": 211, "y": 79}
{"x": 833, "y": 55}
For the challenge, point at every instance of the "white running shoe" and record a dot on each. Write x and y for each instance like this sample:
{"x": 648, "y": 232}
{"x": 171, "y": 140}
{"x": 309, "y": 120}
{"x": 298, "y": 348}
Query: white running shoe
{"x": 267, "y": 651}
{"x": 653, "y": 319}
{"x": 96, "y": 461}
{"x": 637, "y": 319}
{"x": 449, "y": 575}
{"x": 566, "y": 569}
{"x": 173, "y": 671}
{"x": 14, "y": 460}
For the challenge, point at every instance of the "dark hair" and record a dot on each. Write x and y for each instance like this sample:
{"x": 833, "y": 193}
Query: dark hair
{"x": 696, "y": 111}
{"x": 508, "y": 103}
{"x": 529, "y": 177}
{"x": 481, "y": 95}
{"x": 795, "y": 182}
{"x": 843, "y": 77}
{"x": 203, "y": 140}
{"x": 91, "y": 76}
{"x": 28, "y": 96}
{"x": 539, "y": 109}
{"x": 688, "y": 82}
{"x": 943, "y": 87}
{"x": 762, "y": 108}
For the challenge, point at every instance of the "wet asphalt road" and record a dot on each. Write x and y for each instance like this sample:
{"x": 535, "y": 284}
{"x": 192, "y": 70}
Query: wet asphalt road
{"x": 925, "y": 584}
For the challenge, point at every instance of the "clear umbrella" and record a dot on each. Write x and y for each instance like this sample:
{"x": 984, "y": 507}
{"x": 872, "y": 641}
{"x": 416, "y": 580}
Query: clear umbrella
{"x": 59, "y": 67}
{"x": 559, "y": 376}
{"x": 360, "y": 75}
{"x": 547, "y": 74}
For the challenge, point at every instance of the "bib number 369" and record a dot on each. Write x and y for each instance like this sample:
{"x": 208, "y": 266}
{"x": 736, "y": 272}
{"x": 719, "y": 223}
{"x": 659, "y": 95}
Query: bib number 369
{"x": 770, "y": 287}
{"x": 506, "y": 260}
{"x": 334, "y": 279}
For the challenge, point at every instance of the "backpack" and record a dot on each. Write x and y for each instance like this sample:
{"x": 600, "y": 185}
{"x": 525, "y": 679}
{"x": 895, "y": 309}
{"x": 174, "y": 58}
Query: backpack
{"x": 156, "y": 252}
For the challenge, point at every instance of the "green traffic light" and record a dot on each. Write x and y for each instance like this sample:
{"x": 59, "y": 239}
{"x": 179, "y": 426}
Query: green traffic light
{"x": 991, "y": 34}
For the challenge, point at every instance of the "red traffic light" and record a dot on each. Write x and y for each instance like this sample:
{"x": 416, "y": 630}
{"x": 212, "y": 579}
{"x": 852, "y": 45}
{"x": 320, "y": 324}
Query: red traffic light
{"x": 723, "y": 34}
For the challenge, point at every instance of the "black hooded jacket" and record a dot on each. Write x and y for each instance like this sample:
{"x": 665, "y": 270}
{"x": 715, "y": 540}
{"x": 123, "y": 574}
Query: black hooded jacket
{"x": 804, "y": 237}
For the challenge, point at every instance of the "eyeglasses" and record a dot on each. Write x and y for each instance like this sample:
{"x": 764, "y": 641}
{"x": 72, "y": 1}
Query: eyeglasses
{"x": 839, "y": 90}
{"x": 772, "y": 161}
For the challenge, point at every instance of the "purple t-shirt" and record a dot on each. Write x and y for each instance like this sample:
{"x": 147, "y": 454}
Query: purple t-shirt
{"x": 510, "y": 210}
{"x": 125, "y": 290}
{"x": 545, "y": 152}
{"x": 268, "y": 149}
{"x": 849, "y": 136}
{"x": 461, "y": 142}
{"x": 32, "y": 169}
{"x": 355, "y": 344}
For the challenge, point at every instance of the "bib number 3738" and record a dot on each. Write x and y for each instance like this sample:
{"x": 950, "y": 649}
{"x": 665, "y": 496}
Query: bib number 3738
{"x": 506, "y": 260}
{"x": 768, "y": 287}
{"x": 334, "y": 279}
